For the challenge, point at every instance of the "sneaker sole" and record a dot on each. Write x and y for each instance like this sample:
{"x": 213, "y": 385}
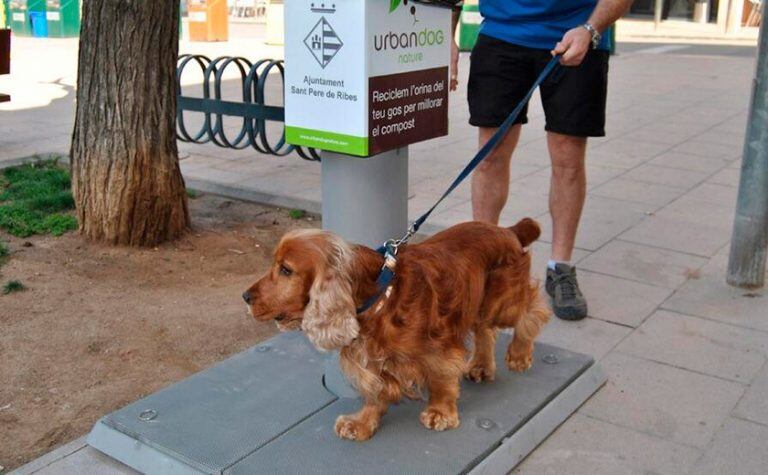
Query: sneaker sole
{"x": 569, "y": 313}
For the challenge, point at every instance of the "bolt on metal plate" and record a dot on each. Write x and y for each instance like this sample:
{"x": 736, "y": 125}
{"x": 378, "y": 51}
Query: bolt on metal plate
{"x": 485, "y": 423}
{"x": 550, "y": 358}
{"x": 147, "y": 415}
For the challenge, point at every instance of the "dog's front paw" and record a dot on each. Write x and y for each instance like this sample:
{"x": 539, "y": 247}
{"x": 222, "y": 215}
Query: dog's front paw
{"x": 436, "y": 419}
{"x": 347, "y": 427}
{"x": 480, "y": 374}
{"x": 519, "y": 361}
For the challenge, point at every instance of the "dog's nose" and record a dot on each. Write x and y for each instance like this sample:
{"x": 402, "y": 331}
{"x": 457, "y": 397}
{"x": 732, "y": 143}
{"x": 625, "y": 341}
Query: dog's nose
{"x": 247, "y": 297}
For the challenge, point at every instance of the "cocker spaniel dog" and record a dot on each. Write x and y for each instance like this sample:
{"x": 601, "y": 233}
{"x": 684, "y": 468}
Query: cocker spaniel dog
{"x": 471, "y": 279}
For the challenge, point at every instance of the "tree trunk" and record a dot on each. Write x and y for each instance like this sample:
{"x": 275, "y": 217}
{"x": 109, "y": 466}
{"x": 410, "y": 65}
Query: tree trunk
{"x": 126, "y": 179}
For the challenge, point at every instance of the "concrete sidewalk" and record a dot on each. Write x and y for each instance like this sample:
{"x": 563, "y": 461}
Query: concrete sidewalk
{"x": 686, "y": 354}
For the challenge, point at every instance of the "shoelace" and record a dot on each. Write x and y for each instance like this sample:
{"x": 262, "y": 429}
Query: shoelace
{"x": 568, "y": 286}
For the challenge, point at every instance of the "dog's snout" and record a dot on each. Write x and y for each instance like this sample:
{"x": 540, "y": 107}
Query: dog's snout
{"x": 247, "y": 297}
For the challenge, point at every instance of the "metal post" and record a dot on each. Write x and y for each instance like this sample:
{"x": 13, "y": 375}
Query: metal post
{"x": 735, "y": 11}
{"x": 746, "y": 263}
{"x": 657, "y": 9}
{"x": 365, "y": 201}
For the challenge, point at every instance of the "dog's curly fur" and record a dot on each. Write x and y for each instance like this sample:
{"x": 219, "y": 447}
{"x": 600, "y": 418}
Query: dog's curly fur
{"x": 471, "y": 279}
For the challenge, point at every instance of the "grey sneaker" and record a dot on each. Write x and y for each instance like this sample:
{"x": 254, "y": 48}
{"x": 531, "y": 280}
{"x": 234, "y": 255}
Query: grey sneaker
{"x": 568, "y": 302}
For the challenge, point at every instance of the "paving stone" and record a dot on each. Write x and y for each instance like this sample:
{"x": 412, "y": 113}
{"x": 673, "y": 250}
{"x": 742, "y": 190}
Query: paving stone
{"x": 650, "y": 265}
{"x": 194, "y": 161}
{"x": 619, "y": 300}
{"x": 533, "y": 152}
{"x": 213, "y": 175}
{"x": 259, "y": 166}
{"x": 718, "y": 135}
{"x": 711, "y": 297}
{"x": 677, "y": 133}
{"x": 637, "y": 191}
{"x": 87, "y": 461}
{"x": 654, "y": 135}
{"x": 739, "y": 447}
{"x": 534, "y": 185}
{"x": 710, "y": 150}
{"x": 599, "y": 174}
{"x": 419, "y": 203}
{"x": 588, "y": 336}
{"x": 678, "y": 235}
{"x": 666, "y": 176}
{"x": 601, "y": 220}
{"x": 715, "y": 194}
{"x": 754, "y": 405}
{"x": 692, "y": 209}
{"x": 727, "y": 177}
{"x": 685, "y": 161}
{"x": 663, "y": 401}
{"x": 436, "y": 186}
{"x": 606, "y": 157}
{"x": 583, "y": 445}
{"x": 518, "y": 207}
{"x": 286, "y": 182}
{"x": 701, "y": 345}
{"x": 634, "y": 148}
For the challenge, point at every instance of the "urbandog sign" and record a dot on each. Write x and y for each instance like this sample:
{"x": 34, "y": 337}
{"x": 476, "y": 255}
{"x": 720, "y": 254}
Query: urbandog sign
{"x": 365, "y": 76}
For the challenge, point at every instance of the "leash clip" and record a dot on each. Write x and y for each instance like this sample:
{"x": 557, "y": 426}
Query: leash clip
{"x": 393, "y": 245}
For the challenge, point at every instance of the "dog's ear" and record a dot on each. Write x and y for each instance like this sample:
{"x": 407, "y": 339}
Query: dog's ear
{"x": 330, "y": 318}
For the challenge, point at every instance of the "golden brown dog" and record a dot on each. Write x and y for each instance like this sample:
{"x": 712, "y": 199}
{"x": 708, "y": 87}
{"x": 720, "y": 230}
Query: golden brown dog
{"x": 470, "y": 279}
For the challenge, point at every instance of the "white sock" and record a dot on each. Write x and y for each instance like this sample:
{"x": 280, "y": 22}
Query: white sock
{"x": 551, "y": 264}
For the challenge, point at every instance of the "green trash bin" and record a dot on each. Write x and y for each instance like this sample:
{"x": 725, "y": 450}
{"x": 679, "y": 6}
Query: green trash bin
{"x": 63, "y": 18}
{"x": 19, "y": 10}
{"x": 5, "y": 15}
{"x": 19, "y": 18}
{"x": 469, "y": 25}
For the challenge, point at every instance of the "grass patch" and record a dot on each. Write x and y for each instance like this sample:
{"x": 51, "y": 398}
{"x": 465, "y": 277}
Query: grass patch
{"x": 36, "y": 199}
{"x": 297, "y": 213}
{"x": 13, "y": 286}
{"x": 192, "y": 194}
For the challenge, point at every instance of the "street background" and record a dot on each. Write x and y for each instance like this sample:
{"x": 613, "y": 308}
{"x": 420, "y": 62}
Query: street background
{"x": 685, "y": 353}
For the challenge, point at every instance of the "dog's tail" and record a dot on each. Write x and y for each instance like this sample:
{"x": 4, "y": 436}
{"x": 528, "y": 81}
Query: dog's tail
{"x": 527, "y": 231}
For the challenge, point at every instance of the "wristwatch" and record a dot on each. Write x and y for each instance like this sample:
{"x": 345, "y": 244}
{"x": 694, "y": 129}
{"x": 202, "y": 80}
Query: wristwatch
{"x": 595, "y": 35}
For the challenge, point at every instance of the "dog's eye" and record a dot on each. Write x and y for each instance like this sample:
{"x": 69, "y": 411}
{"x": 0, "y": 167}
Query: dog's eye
{"x": 285, "y": 271}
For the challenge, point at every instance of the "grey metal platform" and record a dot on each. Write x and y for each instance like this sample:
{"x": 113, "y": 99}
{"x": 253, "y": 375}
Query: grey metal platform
{"x": 266, "y": 410}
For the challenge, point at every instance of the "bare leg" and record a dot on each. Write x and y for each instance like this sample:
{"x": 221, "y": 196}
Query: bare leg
{"x": 361, "y": 425}
{"x": 490, "y": 181}
{"x": 568, "y": 188}
{"x": 482, "y": 367}
{"x": 441, "y": 412}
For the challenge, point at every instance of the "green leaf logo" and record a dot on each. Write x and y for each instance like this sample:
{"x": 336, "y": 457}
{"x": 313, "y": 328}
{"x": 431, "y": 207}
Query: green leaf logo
{"x": 393, "y": 4}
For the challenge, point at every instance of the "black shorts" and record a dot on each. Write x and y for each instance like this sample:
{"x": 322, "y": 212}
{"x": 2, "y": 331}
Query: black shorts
{"x": 501, "y": 74}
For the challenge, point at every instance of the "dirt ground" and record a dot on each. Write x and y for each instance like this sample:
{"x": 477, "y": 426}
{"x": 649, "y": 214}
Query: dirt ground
{"x": 99, "y": 327}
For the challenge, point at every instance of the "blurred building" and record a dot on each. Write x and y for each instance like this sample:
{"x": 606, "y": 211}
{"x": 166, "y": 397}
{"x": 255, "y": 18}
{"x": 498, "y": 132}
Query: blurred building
{"x": 699, "y": 17}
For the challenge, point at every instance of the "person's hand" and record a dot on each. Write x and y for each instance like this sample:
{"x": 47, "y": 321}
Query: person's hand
{"x": 574, "y": 46}
{"x": 454, "y": 83}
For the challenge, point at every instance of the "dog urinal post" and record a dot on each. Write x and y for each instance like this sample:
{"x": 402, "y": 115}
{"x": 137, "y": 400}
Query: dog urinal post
{"x": 365, "y": 78}
{"x": 365, "y": 202}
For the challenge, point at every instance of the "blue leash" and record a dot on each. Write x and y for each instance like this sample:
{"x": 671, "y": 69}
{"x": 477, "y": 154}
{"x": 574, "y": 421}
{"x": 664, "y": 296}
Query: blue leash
{"x": 389, "y": 248}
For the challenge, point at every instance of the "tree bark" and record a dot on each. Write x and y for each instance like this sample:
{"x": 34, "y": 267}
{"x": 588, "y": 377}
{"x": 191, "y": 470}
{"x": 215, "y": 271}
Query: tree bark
{"x": 126, "y": 179}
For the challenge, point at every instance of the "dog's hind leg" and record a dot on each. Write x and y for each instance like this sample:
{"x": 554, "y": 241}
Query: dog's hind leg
{"x": 482, "y": 366}
{"x": 527, "y": 327}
